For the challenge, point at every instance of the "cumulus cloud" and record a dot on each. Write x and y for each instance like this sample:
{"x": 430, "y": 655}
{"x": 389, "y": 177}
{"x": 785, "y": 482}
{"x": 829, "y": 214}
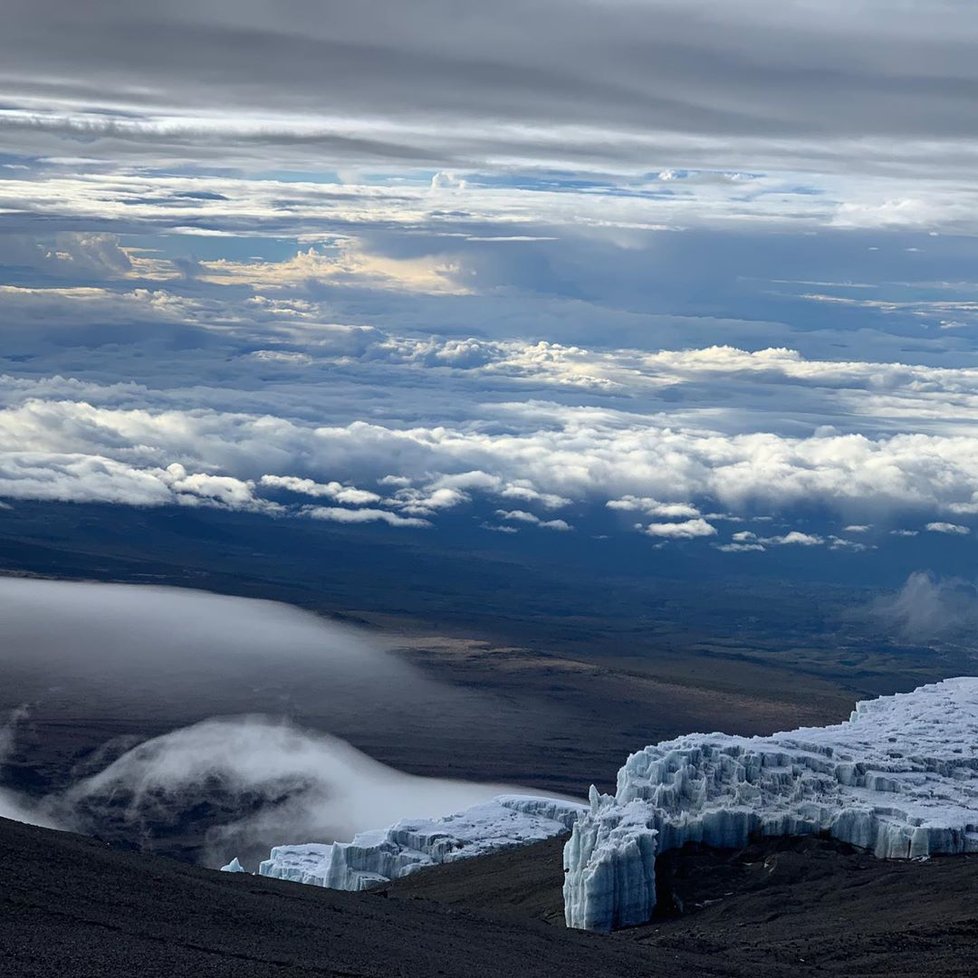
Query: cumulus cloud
{"x": 88, "y": 441}
{"x": 796, "y": 538}
{"x": 190, "y": 487}
{"x": 425, "y": 274}
{"x": 474, "y": 319}
{"x": 652, "y": 507}
{"x": 426, "y": 502}
{"x": 951, "y": 528}
{"x": 336, "y": 514}
{"x": 68, "y": 254}
{"x": 748, "y": 540}
{"x": 685, "y": 530}
{"x": 521, "y": 490}
{"x": 492, "y": 528}
{"x": 517, "y": 515}
{"x": 522, "y": 516}
{"x": 348, "y": 495}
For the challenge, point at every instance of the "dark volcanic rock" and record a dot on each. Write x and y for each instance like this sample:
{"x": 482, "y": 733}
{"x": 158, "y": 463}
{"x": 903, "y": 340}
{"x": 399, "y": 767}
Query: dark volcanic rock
{"x": 73, "y": 908}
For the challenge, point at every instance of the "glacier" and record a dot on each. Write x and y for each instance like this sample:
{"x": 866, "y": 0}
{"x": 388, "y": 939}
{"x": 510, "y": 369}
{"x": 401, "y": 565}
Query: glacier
{"x": 899, "y": 778}
{"x": 379, "y": 856}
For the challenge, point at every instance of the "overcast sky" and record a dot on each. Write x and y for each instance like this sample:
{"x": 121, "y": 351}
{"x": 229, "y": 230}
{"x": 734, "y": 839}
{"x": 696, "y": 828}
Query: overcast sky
{"x": 692, "y": 265}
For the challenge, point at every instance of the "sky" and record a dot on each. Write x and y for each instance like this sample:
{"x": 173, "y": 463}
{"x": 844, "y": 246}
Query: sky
{"x": 703, "y": 272}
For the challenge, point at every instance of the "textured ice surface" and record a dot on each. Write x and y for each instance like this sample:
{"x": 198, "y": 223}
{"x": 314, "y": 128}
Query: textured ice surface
{"x": 233, "y": 867}
{"x": 385, "y": 854}
{"x": 899, "y": 778}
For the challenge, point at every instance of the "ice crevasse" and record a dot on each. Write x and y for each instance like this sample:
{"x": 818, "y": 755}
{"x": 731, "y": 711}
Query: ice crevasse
{"x": 899, "y": 778}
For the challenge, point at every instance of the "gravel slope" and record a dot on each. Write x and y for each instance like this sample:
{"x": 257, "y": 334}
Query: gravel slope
{"x": 73, "y": 908}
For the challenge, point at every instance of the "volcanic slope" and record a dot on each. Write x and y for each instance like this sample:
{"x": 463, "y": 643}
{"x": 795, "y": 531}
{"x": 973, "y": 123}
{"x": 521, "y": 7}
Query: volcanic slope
{"x": 72, "y": 907}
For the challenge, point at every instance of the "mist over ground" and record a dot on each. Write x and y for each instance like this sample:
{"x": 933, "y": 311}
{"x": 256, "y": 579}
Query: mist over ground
{"x": 928, "y": 608}
{"x": 205, "y": 725}
{"x": 108, "y": 649}
{"x": 12, "y": 803}
{"x": 228, "y": 784}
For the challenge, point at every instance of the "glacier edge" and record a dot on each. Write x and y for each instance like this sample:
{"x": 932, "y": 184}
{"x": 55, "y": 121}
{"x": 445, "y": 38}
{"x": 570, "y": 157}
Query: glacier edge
{"x": 378, "y": 856}
{"x": 898, "y": 778}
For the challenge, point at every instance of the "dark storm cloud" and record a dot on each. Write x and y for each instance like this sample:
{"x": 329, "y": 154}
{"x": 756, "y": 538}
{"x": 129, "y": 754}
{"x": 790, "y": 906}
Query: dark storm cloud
{"x": 792, "y": 78}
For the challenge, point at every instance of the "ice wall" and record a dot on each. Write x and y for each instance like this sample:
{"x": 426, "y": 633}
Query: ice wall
{"x": 377, "y": 857}
{"x": 899, "y": 778}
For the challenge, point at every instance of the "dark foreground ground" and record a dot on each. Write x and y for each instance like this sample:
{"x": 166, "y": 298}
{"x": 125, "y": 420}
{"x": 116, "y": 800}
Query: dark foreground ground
{"x": 71, "y": 907}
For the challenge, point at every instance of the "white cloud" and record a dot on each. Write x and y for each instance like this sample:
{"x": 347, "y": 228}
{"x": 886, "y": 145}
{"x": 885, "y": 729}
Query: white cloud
{"x": 652, "y": 507}
{"x": 75, "y": 449}
{"x": 335, "y": 514}
{"x": 348, "y": 495}
{"x": 526, "y": 493}
{"x": 521, "y": 516}
{"x": 686, "y": 530}
{"x": 291, "y": 783}
{"x": 953, "y": 528}
{"x": 744, "y": 539}
{"x": 222, "y": 489}
{"x": 796, "y": 538}
{"x": 535, "y": 425}
{"x": 735, "y": 548}
{"x": 426, "y": 502}
{"x": 518, "y": 516}
{"x": 841, "y": 543}
{"x": 349, "y": 265}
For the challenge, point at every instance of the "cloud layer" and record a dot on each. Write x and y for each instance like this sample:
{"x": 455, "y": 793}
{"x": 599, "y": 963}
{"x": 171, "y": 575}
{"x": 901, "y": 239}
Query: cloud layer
{"x": 403, "y": 429}
{"x": 560, "y": 82}
{"x": 722, "y": 262}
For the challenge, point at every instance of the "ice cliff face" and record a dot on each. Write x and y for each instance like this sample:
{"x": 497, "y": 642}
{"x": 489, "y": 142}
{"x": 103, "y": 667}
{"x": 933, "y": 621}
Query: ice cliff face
{"x": 379, "y": 856}
{"x": 899, "y": 778}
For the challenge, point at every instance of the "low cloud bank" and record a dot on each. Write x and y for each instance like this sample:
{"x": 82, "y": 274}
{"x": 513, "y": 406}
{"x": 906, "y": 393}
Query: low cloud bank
{"x": 236, "y": 783}
{"x": 126, "y": 649}
{"x": 241, "y": 784}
